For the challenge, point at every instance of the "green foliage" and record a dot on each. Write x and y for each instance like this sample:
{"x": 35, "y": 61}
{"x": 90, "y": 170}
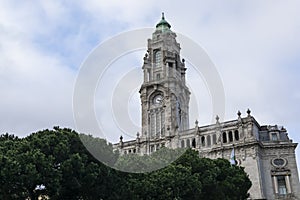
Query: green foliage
{"x": 172, "y": 182}
{"x": 189, "y": 177}
{"x": 140, "y": 164}
{"x": 100, "y": 149}
{"x": 56, "y": 164}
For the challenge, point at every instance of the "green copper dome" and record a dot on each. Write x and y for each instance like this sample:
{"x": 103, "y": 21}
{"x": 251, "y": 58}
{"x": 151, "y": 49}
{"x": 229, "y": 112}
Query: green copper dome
{"x": 163, "y": 24}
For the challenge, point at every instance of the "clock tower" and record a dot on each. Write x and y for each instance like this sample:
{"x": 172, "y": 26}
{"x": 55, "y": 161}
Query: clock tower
{"x": 265, "y": 151}
{"x": 164, "y": 94}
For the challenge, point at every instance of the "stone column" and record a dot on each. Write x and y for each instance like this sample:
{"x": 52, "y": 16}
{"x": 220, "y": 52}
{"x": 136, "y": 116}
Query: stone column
{"x": 161, "y": 123}
{"x": 197, "y": 138}
{"x": 151, "y": 75}
{"x": 288, "y": 184}
{"x": 145, "y": 75}
{"x": 167, "y": 69}
{"x": 275, "y": 184}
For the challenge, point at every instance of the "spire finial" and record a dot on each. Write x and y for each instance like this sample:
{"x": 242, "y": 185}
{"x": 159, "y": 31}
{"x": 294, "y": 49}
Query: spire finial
{"x": 217, "y": 118}
{"x": 239, "y": 113}
{"x": 249, "y": 112}
{"x": 163, "y": 24}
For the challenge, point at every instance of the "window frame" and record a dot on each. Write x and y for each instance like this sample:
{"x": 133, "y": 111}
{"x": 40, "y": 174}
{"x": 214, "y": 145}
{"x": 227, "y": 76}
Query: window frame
{"x": 157, "y": 57}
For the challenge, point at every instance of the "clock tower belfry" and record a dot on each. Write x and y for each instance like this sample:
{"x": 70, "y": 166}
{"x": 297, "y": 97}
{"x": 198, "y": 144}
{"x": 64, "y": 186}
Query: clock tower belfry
{"x": 164, "y": 94}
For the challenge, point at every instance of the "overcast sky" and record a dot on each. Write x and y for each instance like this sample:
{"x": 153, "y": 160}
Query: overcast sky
{"x": 254, "y": 45}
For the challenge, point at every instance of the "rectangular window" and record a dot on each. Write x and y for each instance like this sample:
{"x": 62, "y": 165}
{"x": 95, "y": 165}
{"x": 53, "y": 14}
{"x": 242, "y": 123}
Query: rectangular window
{"x": 274, "y": 137}
{"x": 152, "y": 124}
{"x": 151, "y": 148}
{"x": 158, "y": 77}
{"x": 158, "y": 123}
{"x": 281, "y": 185}
{"x": 157, "y": 58}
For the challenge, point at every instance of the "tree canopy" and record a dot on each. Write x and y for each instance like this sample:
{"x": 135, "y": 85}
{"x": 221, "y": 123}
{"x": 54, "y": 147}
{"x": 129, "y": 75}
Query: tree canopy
{"x": 55, "y": 164}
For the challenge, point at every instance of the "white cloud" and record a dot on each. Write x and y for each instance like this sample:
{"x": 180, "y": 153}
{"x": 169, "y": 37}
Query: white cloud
{"x": 134, "y": 13}
{"x": 36, "y": 88}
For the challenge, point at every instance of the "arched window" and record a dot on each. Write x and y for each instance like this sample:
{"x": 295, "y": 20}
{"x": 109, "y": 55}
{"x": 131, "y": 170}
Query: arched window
{"x": 157, "y": 58}
{"x": 203, "y": 141}
{"x": 208, "y": 140}
{"x": 236, "y": 135}
{"x": 194, "y": 143}
{"x": 188, "y": 145}
{"x": 134, "y": 150}
{"x": 230, "y": 136}
{"x": 129, "y": 151}
{"x": 224, "y": 137}
{"x": 182, "y": 143}
{"x": 214, "y": 137}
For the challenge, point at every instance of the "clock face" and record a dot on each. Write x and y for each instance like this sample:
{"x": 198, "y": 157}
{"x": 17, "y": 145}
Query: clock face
{"x": 157, "y": 99}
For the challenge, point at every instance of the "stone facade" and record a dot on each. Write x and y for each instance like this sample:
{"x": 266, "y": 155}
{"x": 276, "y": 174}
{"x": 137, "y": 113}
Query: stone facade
{"x": 265, "y": 151}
